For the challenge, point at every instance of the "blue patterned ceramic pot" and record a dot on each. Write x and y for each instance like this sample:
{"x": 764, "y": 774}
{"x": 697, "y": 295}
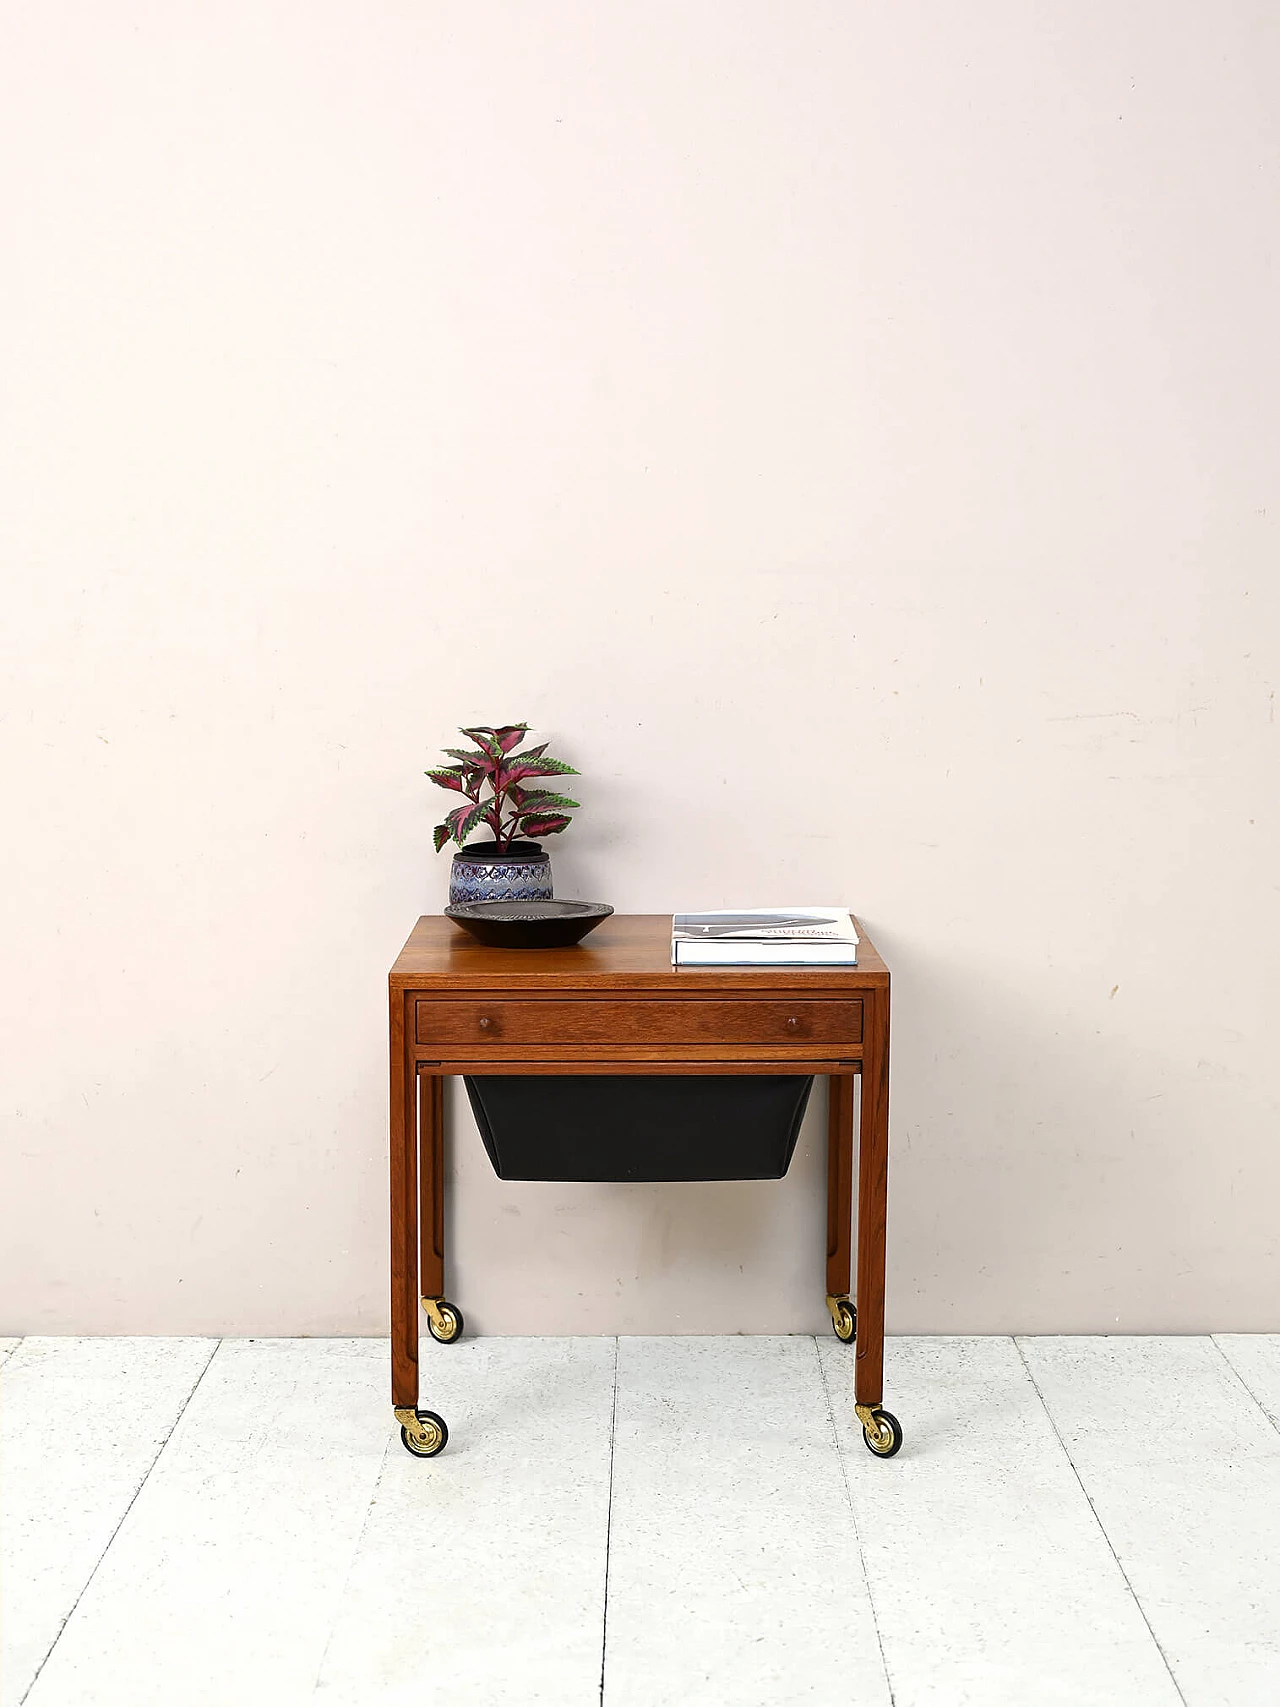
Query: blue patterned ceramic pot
{"x": 482, "y": 872}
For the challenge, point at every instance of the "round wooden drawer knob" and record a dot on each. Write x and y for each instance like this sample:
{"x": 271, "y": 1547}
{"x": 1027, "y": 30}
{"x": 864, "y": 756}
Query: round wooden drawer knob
{"x": 792, "y": 1024}
{"x": 484, "y": 1024}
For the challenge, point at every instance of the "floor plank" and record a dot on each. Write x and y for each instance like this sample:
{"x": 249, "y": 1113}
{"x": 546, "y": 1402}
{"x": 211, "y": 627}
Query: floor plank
{"x": 1256, "y": 1360}
{"x": 991, "y": 1580}
{"x": 224, "y": 1579}
{"x": 1183, "y": 1468}
{"x": 479, "y": 1578}
{"x": 277, "y": 1546}
{"x": 81, "y": 1423}
{"x": 734, "y": 1573}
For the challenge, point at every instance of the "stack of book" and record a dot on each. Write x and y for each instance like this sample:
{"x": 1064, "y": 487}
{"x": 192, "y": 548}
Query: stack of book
{"x": 765, "y": 936}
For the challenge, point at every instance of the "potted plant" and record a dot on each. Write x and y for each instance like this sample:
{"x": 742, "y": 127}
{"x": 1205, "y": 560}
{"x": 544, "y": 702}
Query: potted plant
{"x": 493, "y": 781}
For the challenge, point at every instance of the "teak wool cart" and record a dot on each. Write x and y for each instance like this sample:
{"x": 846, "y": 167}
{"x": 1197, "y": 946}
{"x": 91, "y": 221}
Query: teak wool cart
{"x": 615, "y": 1005}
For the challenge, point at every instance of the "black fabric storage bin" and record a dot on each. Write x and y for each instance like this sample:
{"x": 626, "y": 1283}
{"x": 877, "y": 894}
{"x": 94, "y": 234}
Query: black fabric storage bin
{"x": 597, "y": 1127}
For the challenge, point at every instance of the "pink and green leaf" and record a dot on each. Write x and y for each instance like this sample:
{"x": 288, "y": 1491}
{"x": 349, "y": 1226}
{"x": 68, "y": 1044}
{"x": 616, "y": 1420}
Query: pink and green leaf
{"x": 448, "y": 776}
{"x": 463, "y": 819}
{"x": 543, "y": 798}
{"x": 544, "y": 824}
{"x": 510, "y": 735}
{"x": 440, "y": 835}
{"x": 520, "y": 768}
{"x": 483, "y": 738}
{"x": 483, "y": 764}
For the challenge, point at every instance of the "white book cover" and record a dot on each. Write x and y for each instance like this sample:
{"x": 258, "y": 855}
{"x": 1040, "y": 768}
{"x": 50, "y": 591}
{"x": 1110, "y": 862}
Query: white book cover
{"x": 765, "y": 936}
{"x": 766, "y": 924}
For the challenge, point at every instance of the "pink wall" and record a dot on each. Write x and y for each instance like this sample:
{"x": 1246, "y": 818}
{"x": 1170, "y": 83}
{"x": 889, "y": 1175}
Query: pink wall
{"x": 849, "y": 430}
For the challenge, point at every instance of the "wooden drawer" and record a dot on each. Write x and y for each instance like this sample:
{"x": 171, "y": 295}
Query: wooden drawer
{"x": 478, "y": 1022}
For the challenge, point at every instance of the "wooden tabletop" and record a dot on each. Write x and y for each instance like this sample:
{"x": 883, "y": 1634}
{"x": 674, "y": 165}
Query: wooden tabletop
{"x": 628, "y": 951}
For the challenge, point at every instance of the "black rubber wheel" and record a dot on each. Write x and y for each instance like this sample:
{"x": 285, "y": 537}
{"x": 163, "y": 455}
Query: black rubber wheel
{"x": 847, "y": 1326}
{"x": 452, "y": 1315}
{"x": 437, "y": 1426}
{"x": 886, "y": 1419}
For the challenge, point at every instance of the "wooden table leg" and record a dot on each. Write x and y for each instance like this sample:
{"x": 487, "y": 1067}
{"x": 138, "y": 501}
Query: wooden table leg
{"x": 443, "y": 1318}
{"x": 404, "y": 1214}
{"x": 431, "y": 1184}
{"x": 873, "y": 1172}
{"x": 839, "y": 1201}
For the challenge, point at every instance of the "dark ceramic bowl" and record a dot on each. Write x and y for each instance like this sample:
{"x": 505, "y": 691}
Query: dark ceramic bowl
{"x": 528, "y": 924}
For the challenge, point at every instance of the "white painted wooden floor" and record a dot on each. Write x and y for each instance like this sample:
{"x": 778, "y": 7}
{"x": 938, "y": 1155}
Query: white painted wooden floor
{"x": 643, "y": 1522}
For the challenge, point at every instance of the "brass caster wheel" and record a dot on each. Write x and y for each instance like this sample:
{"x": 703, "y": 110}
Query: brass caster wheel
{"x": 880, "y": 1429}
{"x": 422, "y": 1433}
{"x": 844, "y": 1319}
{"x": 444, "y": 1320}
